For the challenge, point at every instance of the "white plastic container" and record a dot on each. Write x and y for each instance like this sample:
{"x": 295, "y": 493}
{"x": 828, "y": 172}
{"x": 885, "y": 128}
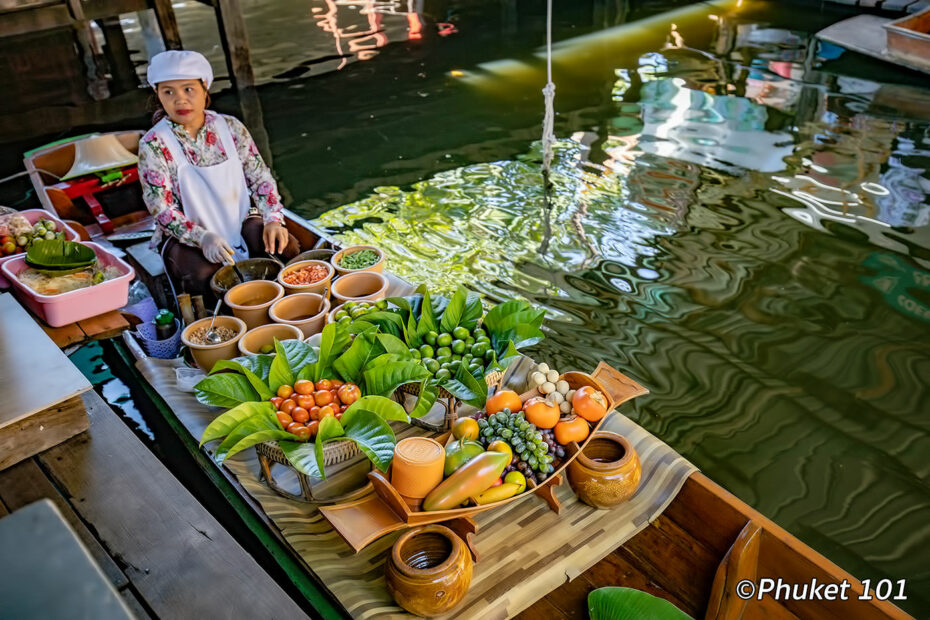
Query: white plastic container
{"x": 65, "y": 308}
{"x": 34, "y": 215}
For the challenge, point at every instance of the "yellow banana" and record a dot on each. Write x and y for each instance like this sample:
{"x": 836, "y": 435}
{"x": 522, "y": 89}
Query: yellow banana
{"x": 496, "y": 494}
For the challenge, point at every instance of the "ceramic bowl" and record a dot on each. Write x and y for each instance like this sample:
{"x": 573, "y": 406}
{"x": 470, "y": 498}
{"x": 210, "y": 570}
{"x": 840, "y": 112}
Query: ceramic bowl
{"x": 429, "y": 570}
{"x": 607, "y": 472}
{"x": 360, "y": 286}
{"x": 250, "y": 300}
{"x": 252, "y": 269}
{"x": 206, "y": 355}
{"x": 321, "y": 287}
{"x": 306, "y": 311}
{"x": 377, "y": 267}
{"x": 253, "y": 340}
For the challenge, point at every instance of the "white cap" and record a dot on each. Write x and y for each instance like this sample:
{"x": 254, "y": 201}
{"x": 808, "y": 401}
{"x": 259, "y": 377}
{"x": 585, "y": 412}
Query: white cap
{"x": 179, "y": 65}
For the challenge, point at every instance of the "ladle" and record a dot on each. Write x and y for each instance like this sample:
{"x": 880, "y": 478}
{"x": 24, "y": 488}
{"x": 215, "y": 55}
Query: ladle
{"x": 213, "y": 337}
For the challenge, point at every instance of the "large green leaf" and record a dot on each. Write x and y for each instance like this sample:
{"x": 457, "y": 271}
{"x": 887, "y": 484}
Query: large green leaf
{"x": 258, "y": 364}
{"x": 393, "y": 344}
{"x": 333, "y": 342}
{"x": 292, "y": 356}
{"x": 383, "y": 380}
{"x": 225, "y": 390}
{"x": 254, "y": 380}
{"x": 389, "y": 322}
{"x": 257, "y": 438}
{"x": 454, "y": 311}
{"x": 302, "y": 456}
{"x": 248, "y": 427}
{"x": 427, "y": 322}
{"x": 615, "y": 603}
{"x": 60, "y": 254}
{"x": 329, "y": 429}
{"x": 373, "y": 436}
{"x": 507, "y": 355}
{"x": 226, "y": 422}
{"x": 350, "y": 365}
{"x": 381, "y": 405}
{"x": 425, "y": 400}
{"x": 472, "y": 312}
{"x": 478, "y": 387}
{"x": 494, "y": 317}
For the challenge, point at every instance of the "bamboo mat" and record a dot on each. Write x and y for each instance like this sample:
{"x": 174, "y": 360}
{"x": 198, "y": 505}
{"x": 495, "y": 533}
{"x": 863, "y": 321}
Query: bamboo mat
{"x": 526, "y": 550}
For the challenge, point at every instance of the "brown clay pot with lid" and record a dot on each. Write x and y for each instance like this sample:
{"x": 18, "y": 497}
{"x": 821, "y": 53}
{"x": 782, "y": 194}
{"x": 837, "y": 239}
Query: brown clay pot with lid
{"x": 429, "y": 570}
{"x": 607, "y": 471}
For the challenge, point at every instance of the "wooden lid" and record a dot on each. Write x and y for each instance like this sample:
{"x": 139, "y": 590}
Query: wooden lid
{"x": 419, "y": 451}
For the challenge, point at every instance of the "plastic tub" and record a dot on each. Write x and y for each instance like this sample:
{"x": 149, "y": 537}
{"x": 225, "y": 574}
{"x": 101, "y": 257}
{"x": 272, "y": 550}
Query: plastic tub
{"x": 65, "y": 308}
{"x": 34, "y": 215}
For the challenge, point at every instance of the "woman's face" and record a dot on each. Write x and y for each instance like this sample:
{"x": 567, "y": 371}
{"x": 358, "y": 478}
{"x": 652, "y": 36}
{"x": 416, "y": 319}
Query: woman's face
{"x": 183, "y": 100}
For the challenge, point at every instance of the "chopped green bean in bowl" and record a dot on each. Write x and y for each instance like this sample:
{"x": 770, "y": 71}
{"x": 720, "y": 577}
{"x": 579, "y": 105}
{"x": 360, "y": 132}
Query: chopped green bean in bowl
{"x": 358, "y": 258}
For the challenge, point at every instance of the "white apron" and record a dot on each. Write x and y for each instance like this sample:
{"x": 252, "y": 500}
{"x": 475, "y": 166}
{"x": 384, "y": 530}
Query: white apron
{"x": 215, "y": 197}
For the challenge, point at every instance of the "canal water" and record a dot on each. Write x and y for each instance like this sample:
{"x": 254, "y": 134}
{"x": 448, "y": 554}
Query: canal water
{"x": 738, "y": 220}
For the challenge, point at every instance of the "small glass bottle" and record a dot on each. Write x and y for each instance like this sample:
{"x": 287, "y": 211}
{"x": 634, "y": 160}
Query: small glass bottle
{"x": 164, "y": 324}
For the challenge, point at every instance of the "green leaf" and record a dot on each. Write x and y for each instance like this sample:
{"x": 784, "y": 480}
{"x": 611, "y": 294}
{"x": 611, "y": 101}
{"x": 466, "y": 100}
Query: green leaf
{"x": 226, "y": 422}
{"x": 389, "y": 322}
{"x": 225, "y": 390}
{"x": 373, "y": 436}
{"x": 252, "y": 425}
{"x": 258, "y": 364}
{"x": 352, "y": 363}
{"x": 292, "y": 356}
{"x": 302, "y": 456}
{"x": 427, "y": 322}
{"x": 256, "y": 438}
{"x": 254, "y": 380}
{"x": 454, "y": 311}
{"x": 472, "y": 312}
{"x": 495, "y": 316}
{"x": 330, "y": 428}
{"x": 508, "y": 355}
{"x": 393, "y": 344}
{"x": 476, "y": 386}
{"x": 425, "y": 400}
{"x": 383, "y": 380}
{"x": 60, "y": 255}
{"x": 381, "y": 405}
{"x": 615, "y": 603}
{"x": 335, "y": 339}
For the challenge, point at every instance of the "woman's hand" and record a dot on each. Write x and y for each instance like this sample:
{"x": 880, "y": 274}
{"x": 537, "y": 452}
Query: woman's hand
{"x": 275, "y": 238}
{"x": 215, "y": 249}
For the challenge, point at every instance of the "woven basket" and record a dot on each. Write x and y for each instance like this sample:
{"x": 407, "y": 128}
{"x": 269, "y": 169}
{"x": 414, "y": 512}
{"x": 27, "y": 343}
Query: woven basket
{"x": 449, "y": 402}
{"x": 334, "y": 452}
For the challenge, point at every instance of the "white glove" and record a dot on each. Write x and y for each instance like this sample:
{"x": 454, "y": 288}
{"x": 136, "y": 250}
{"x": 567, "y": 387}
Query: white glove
{"x": 215, "y": 249}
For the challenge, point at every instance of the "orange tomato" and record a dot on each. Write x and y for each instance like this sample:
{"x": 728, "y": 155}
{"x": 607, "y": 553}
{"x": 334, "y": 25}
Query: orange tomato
{"x": 285, "y": 391}
{"x": 325, "y": 411}
{"x": 304, "y": 387}
{"x": 294, "y": 426}
{"x": 324, "y": 384}
{"x": 337, "y": 383}
{"x": 301, "y": 431}
{"x": 323, "y": 397}
{"x": 305, "y": 401}
{"x": 300, "y": 415}
{"x": 339, "y": 416}
{"x": 276, "y": 401}
{"x": 283, "y": 419}
{"x": 288, "y": 405}
{"x": 314, "y": 413}
{"x": 541, "y": 412}
{"x": 504, "y": 399}
{"x": 571, "y": 428}
{"x": 349, "y": 393}
{"x": 313, "y": 427}
{"x": 589, "y": 403}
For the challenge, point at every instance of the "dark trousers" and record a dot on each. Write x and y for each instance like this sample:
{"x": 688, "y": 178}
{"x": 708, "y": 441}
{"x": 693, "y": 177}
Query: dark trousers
{"x": 191, "y": 273}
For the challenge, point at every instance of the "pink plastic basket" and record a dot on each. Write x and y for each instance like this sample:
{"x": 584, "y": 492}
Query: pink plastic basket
{"x": 58, "y": 310}
{"x": 34, "y": 215}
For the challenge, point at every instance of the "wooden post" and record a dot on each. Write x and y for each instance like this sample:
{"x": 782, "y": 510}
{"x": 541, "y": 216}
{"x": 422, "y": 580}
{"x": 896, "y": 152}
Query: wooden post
{"x": 168, "y": 23}
{"x": 235, "y": 40}
{"x": 117, "y": 54}
{"x": 152, "y": 40}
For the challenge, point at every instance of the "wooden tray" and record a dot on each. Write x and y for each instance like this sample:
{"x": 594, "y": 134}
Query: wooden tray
{"x": 363, "y": 521}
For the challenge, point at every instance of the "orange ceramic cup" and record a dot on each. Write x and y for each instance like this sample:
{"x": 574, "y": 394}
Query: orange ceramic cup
{"x": 417, "y": 467}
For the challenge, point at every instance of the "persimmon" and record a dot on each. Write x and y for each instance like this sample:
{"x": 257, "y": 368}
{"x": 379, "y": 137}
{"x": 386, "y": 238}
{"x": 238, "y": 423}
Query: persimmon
{"x": 504, "y": 399}
{"x": 325, "y": 411}
{"x": 314, "y": 412}
{"x": 571, "y": 428}
{"x": 541, "y": 412}
{"x": 324, "y": 384}
{"x": 305, "y": 400}
{"x": 301, "y": 431}
{"x": 285, "y": 391}
{"x": 590, "y": 403}
{"x": 313, "y": 427}
{"x": 283, "y": 419}
{"x": 323, "y": 397}
{"x": 337, "y": 383}
{"x": 303, "y": 387}
{"x": 300, "y": 415}
{"x": 293, "y": 426}
{"x": 276, "y": 401}
{"x": 288, "y": 405}
{"x": 349, "y": 393}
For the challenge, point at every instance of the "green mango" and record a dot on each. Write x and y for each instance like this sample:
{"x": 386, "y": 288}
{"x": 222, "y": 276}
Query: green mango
{"x": 458, "y": 453}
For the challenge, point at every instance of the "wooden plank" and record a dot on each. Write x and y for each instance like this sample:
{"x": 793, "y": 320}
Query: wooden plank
{"x": 104, "y": 326}
{"x": 132, "y": 602}
{"x": 181, "y": 562}
{"x": 24, "y": 349}
{"x": 866, "y": 34}
{"x": 26, "y": 483}
{"x": 620, "y": 570}
{"x": 63, "y": 336}
{"x": 541, "y": 609}
{"x": 23, "y": 438}
{"x": 741, "y": 563}
{"x": 168, "y": 24}
{"x": 40, "y": 18}
{"x": 235, "y": 40}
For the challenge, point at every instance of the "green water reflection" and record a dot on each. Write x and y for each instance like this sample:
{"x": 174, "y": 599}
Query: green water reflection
{"x": 744, "y": 229}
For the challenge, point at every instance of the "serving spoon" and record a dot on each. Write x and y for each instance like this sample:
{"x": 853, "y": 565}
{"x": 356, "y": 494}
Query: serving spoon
{"x": 212, "y": 336}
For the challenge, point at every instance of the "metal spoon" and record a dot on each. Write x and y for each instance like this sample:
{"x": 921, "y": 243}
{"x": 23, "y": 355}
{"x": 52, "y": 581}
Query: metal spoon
{"x": 275, "y": 259}
{"x": 213, "y": 337}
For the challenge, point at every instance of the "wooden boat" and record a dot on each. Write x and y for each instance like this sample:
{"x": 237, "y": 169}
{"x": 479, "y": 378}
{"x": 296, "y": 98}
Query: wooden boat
{"x": 904, "y": 42}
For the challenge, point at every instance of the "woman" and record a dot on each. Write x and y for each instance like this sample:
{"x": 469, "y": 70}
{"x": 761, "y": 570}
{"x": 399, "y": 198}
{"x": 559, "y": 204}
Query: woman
{"x": 204, "y": 180}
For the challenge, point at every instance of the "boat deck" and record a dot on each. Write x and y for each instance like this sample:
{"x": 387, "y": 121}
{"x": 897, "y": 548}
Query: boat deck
{"x": 160, "y": 548}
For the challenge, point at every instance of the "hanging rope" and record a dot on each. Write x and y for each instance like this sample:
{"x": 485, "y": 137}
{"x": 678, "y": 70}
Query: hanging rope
{"x": 548, "y": 135}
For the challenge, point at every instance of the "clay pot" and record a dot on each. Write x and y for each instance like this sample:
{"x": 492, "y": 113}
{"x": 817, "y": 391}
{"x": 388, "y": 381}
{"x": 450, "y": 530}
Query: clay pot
{"x": 377, "y": 267}
{"x": 250, "y": 300}
{"x": 320, "y": 287}
{"x": 251, "y": 268}
{"x": 306, "y": 311}
{"x": 252, "y": 342}
{"x": 429, "y": 570}
{"x": 416, "y": 468}
{"x": 607, "y": 471}
{"x": 206, "y": 355}
{"x": 320, "y": 254}
{"x": 360, "y": 286}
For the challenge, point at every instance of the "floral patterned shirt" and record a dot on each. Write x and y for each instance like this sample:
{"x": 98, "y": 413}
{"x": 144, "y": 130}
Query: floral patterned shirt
{"x": 158, "y": 174}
